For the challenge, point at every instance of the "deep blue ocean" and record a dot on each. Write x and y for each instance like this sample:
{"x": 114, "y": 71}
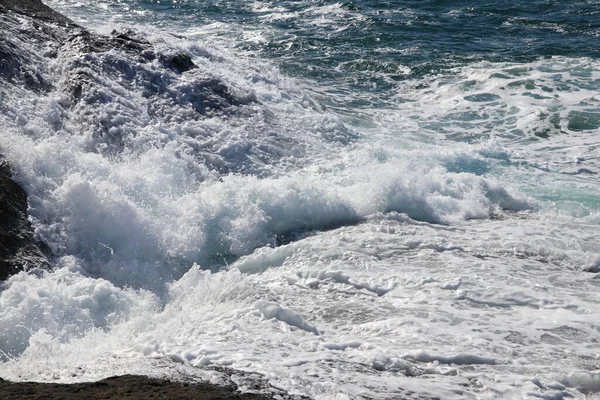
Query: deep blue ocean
{"x": 374, "y": 45}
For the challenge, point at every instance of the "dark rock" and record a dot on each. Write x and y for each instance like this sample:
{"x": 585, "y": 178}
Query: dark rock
{"x": 209, "y": 95}
{"x": 97, "y": 58}
{"x": 17, "y": 65}
{"x": 179, "y": 62}
{"x": 595, "y": 268}
{"x": 86, "y": 42}
{"x": 35, "y": 9}
{"x": 130, "y": 387}
{"x": 14, "y": 68}
{"x": 18, "y": 248}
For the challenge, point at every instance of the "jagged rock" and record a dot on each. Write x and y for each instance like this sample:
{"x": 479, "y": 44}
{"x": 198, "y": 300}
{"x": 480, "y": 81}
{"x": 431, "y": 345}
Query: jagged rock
{"x": 178, "y": 62}
{"x": 61, "y": 34}
{"x": 44, "y": 26}
{"x": 35, "y": 9}
{"x": 18, "y": 248}
{"x": 13, "y": 68}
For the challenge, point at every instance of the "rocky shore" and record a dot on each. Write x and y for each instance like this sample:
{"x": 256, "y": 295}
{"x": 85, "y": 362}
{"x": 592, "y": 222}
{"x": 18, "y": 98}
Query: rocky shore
{"x": 32, "y": 34}
{"x": 19, "y": 248}
{"x": 125, "y": 387}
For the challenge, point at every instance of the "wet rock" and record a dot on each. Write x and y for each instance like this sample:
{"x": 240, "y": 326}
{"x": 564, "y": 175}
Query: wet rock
{"x": 43, "y": 27}
{"x": 14, "y": 67}
{"x": 123, "y": 56}
{"x": 137, "y": 387}
{"x": 208, "y": 95}
{"x": 18, "y": 248}
{"x": 127, "y": 386}
{"x": 35, "y": 9}
{"x": 178, "y": 62}
{"x": 86, "y": 42}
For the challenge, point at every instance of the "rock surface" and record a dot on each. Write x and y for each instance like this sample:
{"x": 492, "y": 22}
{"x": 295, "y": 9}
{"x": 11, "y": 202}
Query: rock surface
{"x": 36, "y": 9}
{"x": 18, "y": 247}
{"x": 125, "y": 387}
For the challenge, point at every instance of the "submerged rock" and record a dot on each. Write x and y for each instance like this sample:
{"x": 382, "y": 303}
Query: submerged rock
{"x": 18, "y": 248}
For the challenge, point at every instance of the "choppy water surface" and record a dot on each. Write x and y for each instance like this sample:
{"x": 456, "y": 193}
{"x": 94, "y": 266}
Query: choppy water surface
{"x": 403, "y": 201}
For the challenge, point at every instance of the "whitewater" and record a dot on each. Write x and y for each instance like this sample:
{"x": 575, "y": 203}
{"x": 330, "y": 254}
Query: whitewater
{"x": 341, "y": 225}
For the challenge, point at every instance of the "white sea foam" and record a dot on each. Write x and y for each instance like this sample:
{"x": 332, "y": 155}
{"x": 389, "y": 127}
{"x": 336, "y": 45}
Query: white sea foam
{"x": 62, "y": 305}
{"x": 584, "y": 381}
{"x": 128, "y": 190}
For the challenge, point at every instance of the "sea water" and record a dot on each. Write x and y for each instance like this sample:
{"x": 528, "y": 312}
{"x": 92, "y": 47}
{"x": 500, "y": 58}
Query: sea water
{"x": 407, "y": 206}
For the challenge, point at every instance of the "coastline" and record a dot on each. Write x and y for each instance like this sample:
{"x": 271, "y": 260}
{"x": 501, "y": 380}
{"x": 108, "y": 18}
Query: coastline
{"x": 19, "y": 248}
{"x": 125, "y": 387}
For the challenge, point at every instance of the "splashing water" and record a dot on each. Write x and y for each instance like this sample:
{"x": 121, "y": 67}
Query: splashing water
{"x": 341, "y": 211}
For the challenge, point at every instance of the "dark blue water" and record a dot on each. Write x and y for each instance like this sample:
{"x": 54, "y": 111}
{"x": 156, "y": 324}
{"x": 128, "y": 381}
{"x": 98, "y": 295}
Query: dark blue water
{"x": 372, "y": 45}
{"x": 430, "y": 35}
{"x": 435, "y": 32}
